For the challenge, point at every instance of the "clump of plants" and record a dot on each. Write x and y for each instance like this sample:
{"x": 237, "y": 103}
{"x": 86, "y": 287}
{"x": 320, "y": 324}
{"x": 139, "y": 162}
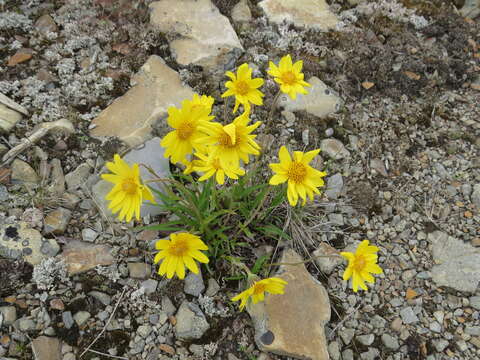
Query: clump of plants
{"x": 220, "y": 197}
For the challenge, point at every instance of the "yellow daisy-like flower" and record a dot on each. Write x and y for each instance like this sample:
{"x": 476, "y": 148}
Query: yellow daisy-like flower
{"x": 181, "y": 250}
{"x": 257, "y": 291}
{"x": 244, "y": 88}
{"x": 203, "y": 101}
{"x": 128, "y": 193}
{"x": 186, "y": 121}
{"x": 210, "y": 165}
{"x": 289, "y": 76}
{"x": 361, "y": 264}
{"x": 232, "y": 142}
{"x": 303, "y": 180}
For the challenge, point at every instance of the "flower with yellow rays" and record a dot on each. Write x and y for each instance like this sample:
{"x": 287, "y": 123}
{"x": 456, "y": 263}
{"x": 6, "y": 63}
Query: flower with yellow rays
{"x": 186, "y": 121}
{"x": 289, "y": 76}
{"x": 203, "y": 101}
{"x": 210, "y": 165}
{"x": 361, "y": 265}
{"x": 303, "y": 180}
{"x": 128, "y": 193}
{"x": 179, "y": 252}
{"x": 257, "y": 291}
{"x": 244, "y": 88}
{"x": 232, "y": 142}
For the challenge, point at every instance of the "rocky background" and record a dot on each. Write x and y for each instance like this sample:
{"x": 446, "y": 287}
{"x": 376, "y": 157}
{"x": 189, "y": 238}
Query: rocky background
{"x": 394, "y": 106}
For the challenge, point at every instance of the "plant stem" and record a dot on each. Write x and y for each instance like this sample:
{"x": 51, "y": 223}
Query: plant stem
{"x": 306, "y": 261}
{"x": 272, "y": 110}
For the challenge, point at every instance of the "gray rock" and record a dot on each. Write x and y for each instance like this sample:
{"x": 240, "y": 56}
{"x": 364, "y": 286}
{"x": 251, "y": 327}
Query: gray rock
{"x": 194, "y": 284}
{"x": 25, "y": 324}
{"x": 347, "y": 354}
{"x": 475, "y": 302}
{"x": 435, "y": 327}
{"x": 139, "y": 270}
{"x": 191, "y": 322}
{"x": 56, "y": 222}
{"x": 334, "y": 350}
{"x": 378, "y": 322}
{"x": 440, "y": 345}
{"x": 326, "y": 264}
{"x": 334, "y": 149}
{"x": 347, "y": 335}
{"x": 4, "y": 195}
{"x": 47, "y": 348}
{"x": 144, "y": 330}
{"x": 81, "y": 317}
{"x": 105, "y": 299}
{"x": 196, "y": 350}
{"x": 457, "y": 262}
{"x": 9, "y": 314}
{"x": 472, "y": 330}
{"x": 334, "y": 186}
{"x": 408, "y": 315}
{"x": 439, "y": 316}
{"x": 57, "y": 180}
{"x": 23, "y": 173}
{"x": 89, "y": 235}
{"x": 212, "y": 288}
{"x": 366, "y": 340}
{"x": 475, "y": 197}
{"x": 67, "y": 319}
{"x": 168, "y": 306}
{"x": 470, "y": 9}
{"x": 77, "y": 177}
{"x": 442, "y": 172}
{"x": 241, "y": 12}
{"x": 336, "y": 219}
{"x": 150, "y": 286}
{"x": 371, "y": 354}
{"x": 390, "y": 342}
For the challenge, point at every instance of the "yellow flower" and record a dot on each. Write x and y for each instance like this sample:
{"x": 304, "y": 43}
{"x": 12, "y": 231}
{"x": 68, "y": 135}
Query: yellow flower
{"x": 259, "y": 288}
{"x": 232, "y": 142}
{"x": 303, "y": 180}
{"x": 128, "y": 193}
{"x": 181, "y": 250}
{"x": 210, "y": 165}
{"x": 361, "y": 264}
{"x": 186, "y": 121}
{"x": 244, "y": 88}
{"x": 203, "y": 101}
{"x": 289, "y": 76}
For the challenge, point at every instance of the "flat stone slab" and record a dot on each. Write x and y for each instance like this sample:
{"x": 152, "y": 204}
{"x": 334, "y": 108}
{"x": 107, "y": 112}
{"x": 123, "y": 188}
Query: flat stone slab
{"x": 320, "y": 100}
{"x": 155, "y": 88}
{"x": 312, "y": 14}
{"x": 457, "y": 263}
{"x": 81, "y": 256}
{"x": 293, "y": 324}
{"x": 18, "y": 240}
{"x": 204, "y": 36}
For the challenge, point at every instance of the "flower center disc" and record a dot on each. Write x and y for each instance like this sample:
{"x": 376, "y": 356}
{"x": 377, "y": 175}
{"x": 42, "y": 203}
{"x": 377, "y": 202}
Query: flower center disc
{"x": 297, "y": 172}
{"x": 179, "y": 248}
{"x": 242, "y": 88}
{"x": 359, "y": 263}
{"x": 129, "y": 186}
{"x": 185, "y": 130}
{"x": 226, "y": 140}
{"x": 289, "y": 78}
{"x": 258, "y": 289}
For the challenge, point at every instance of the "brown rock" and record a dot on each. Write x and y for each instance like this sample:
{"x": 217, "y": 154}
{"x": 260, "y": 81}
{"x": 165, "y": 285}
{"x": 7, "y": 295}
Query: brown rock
{"x": 292, "y": 324}
{"x": 57, "y": 304}
{"x": 47, "y": 348}
{"x": 131, "y": 117}
{"x": 45, "y": 24}
{"x": 80, "y": 256}
{"x": 20, "y": 56}
{"x": 139, "y": 270}
{"x": 313, "y": 14}
{"x": 204, "y": 36}
{"x": 56, "y": 222}
{"x": 167, "y": 348}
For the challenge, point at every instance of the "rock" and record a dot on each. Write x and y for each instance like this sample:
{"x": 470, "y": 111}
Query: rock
{"x": 347, "y": 335}
{"x": 203, "y": 36}
{"x": 131, "y": 117}
{"x": 457, "y": 262}
{"x": 144, "y": 330}
{"x": 168, "y": 306}
{"x": 10, "y": 113}
{"x": 150, "y": 154}
{"x": 408, "y": 315}
{"x": 292, "y": 324}
{"x": 435, "y": 327}
{"x": 476, "y": 196}
{"x": 320, "y": 100}
{"x": 212, "y": 288}
{"x": 336, "y": 219}
{"x": 440, "y": 345}
{"x": 70, "y": 200}
{"x": 17, "y": 241}
{"x": 312, "y": 14}
{"x": 57, "y": 179}
{"x": 334, "y": 186}
{"x": 475, "y": 341}
{"x": 67, "y": 319}
{"x": 379, "y": 166}
{"x": 139, "y": 270}
{"x": 471, "y": 9}
{"x": 193, "y": 284}
{"x": 378, "y": 322}
{"x": 45, "y": 24}
{"x": 26, "y": 324}
{"x": 366, "y": 340}
{"x": 56, "y": 222}
{"x": 33, "y": 217}
{"x": 390, "y": 342}
{"x": 78, "y": 177}
{"x": 81, "y": 256}
{"x": 472, "y": 330}
{"x": 150, "y": 286}
{"x": 9, "y": 314}
{"x": 334, "y": 350}
{"x": 334, "y": 149}
{"x": 57, "y": 304}
{"x": 347, "y": 354}
{"x": 81, "y": 317}
{"x": 475, "y": 302}
{"x": 371, "y": 354}
{"x": 191, "y": 322}
{"x": 89, "y": 235}
{"x": 47, "y": 348}
{"x": 326, "y": 264}
{"x": 23, "y": 173}
{"x": 105, "y": 299}
{"x": 241, "y": 12}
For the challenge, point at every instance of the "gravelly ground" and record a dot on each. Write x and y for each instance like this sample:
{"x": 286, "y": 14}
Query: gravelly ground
{"x": 410, "y": 181}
